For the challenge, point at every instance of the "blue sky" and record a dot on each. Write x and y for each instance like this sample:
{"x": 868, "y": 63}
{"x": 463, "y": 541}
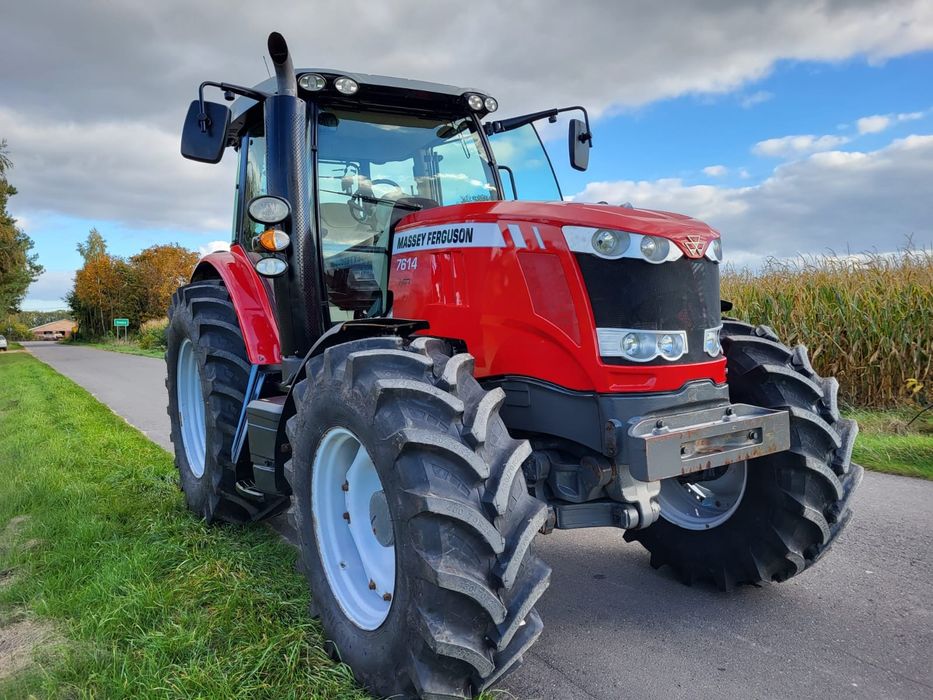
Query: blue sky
{"x": 679, "y": 137}
{"x": 758, "y": 134}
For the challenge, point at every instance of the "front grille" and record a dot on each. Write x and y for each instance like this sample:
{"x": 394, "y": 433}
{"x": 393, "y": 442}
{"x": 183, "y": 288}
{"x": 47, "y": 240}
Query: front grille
{"x": 678, "y": 295}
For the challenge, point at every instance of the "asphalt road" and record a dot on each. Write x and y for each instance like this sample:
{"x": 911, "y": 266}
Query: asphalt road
{"x": 858, "y": 625}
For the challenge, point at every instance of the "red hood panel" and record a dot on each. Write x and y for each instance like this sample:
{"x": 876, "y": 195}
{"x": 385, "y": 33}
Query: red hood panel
{"x": 681, "y": 229}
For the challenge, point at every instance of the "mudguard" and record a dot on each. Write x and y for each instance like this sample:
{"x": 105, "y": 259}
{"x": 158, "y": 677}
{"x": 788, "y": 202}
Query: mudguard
{"x": 250, "y": 299}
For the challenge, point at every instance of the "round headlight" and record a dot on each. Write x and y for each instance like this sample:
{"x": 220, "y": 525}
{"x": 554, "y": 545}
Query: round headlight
{"x": 268, "y": 210}
{"x": 271, "y": 267}
{"x": 348, "y": 86}
{"x": 711, "y": 343}
{"x": 491, "y": 104}
{"x": 666, "y": 344}
{"x": 715, "y": 249}
{"x": 312, "y": 81}
{"x": 655, "y": 249}
{"x": 475, "y": 101}
{"x": 630, "y": 344}
{"x": 610, "y": 243}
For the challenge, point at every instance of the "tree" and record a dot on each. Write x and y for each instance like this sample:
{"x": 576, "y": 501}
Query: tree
{"x": 158, "y": 271}
{"x": 18, "y": 269}
{"x": 108, "y": 287}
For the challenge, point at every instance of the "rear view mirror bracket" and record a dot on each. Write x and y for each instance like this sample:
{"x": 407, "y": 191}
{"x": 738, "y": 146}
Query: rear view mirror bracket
{"x": 204, "y": 135}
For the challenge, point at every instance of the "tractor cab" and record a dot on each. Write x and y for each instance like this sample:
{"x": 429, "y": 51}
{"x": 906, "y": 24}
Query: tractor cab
{"x": 377, "y": 149}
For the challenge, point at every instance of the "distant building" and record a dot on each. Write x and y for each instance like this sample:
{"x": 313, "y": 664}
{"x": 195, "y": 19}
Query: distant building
{"x": 56, "y": 330}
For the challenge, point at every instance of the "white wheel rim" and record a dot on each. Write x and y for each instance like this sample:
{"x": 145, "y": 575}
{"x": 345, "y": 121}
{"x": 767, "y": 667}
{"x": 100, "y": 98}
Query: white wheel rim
{"x": 191, "y": 408}
{"x": 702, "y": 505}
{"x": 353, "y": 529}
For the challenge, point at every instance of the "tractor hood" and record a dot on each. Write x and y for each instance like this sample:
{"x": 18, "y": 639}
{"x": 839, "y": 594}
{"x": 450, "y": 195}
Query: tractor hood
{"x": 676, "y": 227}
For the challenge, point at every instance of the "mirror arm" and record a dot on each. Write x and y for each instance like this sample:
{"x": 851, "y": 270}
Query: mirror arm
{"x": 498, "y": 127}
{"x": 203, "y": 120}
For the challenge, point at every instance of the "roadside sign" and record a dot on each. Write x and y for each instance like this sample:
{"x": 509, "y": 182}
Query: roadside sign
{"x": 121, "y": 322}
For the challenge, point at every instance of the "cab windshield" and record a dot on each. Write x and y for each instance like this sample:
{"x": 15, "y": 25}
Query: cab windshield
{"x": 372, "y": 169}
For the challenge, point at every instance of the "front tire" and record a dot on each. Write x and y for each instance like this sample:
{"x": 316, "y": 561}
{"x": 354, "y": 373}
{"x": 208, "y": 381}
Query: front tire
{"x": 790, "y": 505}
{"x": 454, "y": 509}
{"x": 208, "y": 371}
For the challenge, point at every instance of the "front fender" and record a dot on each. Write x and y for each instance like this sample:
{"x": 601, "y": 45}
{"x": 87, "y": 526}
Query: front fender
{"x": 250, "y": 300}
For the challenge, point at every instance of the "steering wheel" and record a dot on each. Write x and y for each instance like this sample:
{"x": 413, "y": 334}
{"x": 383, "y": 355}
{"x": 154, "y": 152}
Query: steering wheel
{"x": 363, "y": 201}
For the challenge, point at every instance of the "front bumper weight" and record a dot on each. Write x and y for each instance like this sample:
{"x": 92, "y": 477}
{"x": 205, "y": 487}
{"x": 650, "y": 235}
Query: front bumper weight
{"x": 662, "y": 447}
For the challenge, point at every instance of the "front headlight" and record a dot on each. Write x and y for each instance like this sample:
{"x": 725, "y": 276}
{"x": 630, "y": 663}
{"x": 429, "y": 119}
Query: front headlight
{"x": 714, "y": 250}
{"x": 268, "y": 210}
{"x": 711, "y": 344}
{"x": 641, "y": 346}
{"x": 613, "y": 244}
{"x": 610, "y": 244}
{"x": 655, "y": 249}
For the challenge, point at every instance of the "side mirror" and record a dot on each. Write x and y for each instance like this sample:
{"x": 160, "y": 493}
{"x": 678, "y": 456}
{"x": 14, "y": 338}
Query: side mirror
{"x": 204, "y": 136}
{"x": 580, "y": 141}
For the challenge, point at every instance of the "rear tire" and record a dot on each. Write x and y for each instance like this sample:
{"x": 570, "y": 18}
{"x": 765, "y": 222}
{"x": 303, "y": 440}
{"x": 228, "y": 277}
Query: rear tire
{"x": 795, "y": 503}
{"x": 466, "y": 581}
{"x": 204, "y": 332}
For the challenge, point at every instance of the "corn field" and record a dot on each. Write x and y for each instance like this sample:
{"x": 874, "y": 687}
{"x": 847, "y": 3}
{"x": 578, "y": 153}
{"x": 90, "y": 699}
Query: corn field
{"x": 867, "y": 320}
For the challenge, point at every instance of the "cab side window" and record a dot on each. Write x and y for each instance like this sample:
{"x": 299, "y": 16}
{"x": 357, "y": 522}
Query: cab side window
{"x": 254, "y": 185}
{"x": 523, "y": 152}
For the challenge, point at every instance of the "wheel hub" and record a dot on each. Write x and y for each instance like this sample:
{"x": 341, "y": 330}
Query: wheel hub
{"x": 191, "y": 408}
{"x": 353, "y": 528}
{"x": 705, "y": 501}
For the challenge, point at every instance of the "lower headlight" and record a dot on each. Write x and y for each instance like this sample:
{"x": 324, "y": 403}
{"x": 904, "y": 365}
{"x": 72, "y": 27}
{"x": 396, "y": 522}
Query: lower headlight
{"x": 271, "y": 267}
{"x": 641, "y": 346}
{"x": 711, "y": 344}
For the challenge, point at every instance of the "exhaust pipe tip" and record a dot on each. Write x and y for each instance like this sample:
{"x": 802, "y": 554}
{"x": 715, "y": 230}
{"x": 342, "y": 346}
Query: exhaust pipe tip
{"x": 286, "y": 83}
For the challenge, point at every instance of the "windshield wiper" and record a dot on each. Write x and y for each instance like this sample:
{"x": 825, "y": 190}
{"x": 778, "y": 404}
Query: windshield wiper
{"x": 376, "y": 200}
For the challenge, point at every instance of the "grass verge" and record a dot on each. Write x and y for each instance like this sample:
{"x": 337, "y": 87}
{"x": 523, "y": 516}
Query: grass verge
{"x": 146, "y": 601}
{"x": 886, "y": 444}
{"x": 128, "y": 348}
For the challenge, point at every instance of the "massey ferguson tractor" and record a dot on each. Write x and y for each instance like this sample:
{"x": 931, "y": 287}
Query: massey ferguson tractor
{"x": 426, "y": 358}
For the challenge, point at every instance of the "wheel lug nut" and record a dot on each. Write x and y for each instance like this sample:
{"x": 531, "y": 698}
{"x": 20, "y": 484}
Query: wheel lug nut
{"x": 372, "y": 585}
{"x": 346, "y": 516}
{"x": 387, "y": 597}
{"x": 345, "y": 486}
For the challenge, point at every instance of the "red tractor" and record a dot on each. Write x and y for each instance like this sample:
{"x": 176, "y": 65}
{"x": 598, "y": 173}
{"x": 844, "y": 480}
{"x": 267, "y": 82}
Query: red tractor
{"x": 425, "y": 356}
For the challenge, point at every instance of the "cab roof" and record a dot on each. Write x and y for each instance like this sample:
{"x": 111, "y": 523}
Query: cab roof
{"x": 374, "y": 89}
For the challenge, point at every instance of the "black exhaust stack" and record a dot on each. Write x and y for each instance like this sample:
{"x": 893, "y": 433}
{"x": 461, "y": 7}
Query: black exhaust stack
{"x": 285, "y": 82}
{"x": 299, "y": 293}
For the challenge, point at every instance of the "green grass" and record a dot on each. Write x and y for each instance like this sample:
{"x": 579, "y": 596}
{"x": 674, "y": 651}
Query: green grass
{"x": 146, "y": 600}
{"x": 886, "y": 444}
{"x": 128, "y": 347}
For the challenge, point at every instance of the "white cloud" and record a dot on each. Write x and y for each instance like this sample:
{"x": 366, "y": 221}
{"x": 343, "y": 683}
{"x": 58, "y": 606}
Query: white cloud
{"x": 790, "y": 146}
{"x": 130, "y": 172}
{"x": 47, "y": 293}
{"x": 213, "y": 247}
{"x": 879, "y": 122}
{"x": 93, "y": 116}
{"x": 756, "y": 98}
{"x": 715, "y": 170}
{"x": 826, "y": 201}
{"x": 872, "y": 125}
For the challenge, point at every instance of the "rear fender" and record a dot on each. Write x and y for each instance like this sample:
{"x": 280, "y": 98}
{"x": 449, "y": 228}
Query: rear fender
{"x": 250, "y": 300}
